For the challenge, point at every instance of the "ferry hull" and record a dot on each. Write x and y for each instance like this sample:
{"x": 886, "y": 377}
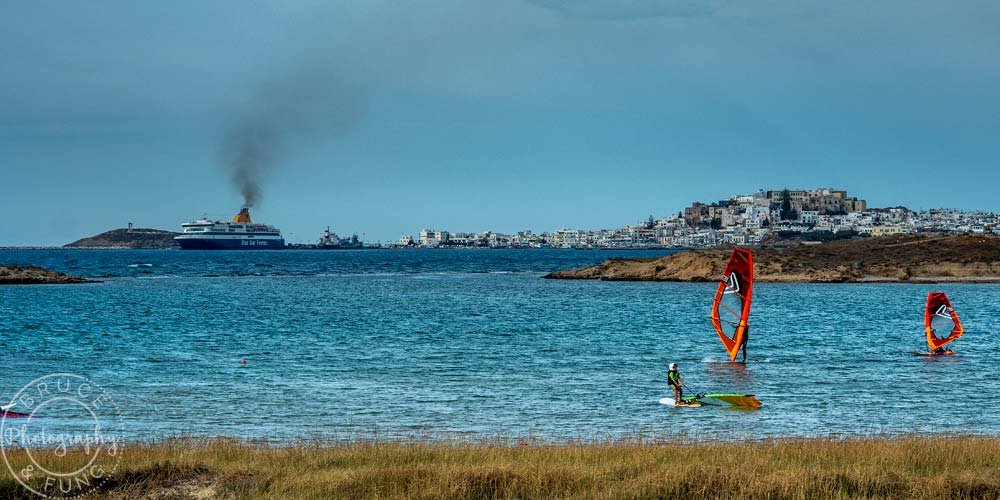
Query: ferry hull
{"x": 229, "y": 244}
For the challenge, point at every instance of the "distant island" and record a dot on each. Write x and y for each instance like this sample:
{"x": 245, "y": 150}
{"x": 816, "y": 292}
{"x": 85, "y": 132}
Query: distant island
{"x": 902, "y": 258}
{"x": 128, "y": 238}
{"x": 31, "y": 275}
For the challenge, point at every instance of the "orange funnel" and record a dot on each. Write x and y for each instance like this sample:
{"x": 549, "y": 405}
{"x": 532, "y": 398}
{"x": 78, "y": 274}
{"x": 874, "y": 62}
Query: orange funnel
{"x": 243, "y": 217}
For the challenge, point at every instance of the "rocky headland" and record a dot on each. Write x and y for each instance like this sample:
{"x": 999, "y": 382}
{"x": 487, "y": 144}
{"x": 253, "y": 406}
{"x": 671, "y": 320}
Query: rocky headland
{"x": 31, "y": 275}
{"x": 905, "y": 258}
{"x": 128, "y": 238}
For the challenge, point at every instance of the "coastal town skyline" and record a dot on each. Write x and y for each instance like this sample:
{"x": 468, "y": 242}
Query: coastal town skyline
{"x": 301, "y": 235}
{"x": 815, "y": 214}
{"x": 818, "y": 214}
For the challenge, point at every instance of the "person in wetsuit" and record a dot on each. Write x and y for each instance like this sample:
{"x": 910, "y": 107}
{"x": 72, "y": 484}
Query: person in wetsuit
{"x": 675, "y": 381}
{"x": 746, "y": 338}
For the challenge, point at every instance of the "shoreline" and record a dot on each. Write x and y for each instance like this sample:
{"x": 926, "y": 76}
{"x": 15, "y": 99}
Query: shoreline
{"x": 888, "y": 259}
{"x": 876, "y": 280}
{"x": 942, "y": 466}
{"x": 311, "y": 248}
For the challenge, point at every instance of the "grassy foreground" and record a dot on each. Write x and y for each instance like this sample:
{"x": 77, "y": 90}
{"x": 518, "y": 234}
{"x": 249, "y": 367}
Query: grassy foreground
{"x": 909, "y": 467}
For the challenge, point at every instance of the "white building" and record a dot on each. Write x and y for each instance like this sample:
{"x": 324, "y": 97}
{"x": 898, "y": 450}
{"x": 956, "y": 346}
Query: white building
{"x": 432, "y": 238}
{"x": 809, "y": 217}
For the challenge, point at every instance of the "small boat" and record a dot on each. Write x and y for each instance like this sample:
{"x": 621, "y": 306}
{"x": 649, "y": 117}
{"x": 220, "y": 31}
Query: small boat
{"x": 941, "y": 325}
{"x": 7, "y": 412}
{"x": 330, "y": 241}
{"x": 731, "y": 307}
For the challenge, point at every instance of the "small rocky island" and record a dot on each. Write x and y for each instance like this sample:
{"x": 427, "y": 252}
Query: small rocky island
{"x": 128, "y": 238}
{"x": 905, "y": 258}
{"x": 31, "y": 275}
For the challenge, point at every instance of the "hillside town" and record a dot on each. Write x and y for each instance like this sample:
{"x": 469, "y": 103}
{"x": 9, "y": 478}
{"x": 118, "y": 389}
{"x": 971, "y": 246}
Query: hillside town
{"x": 744, "y": 219}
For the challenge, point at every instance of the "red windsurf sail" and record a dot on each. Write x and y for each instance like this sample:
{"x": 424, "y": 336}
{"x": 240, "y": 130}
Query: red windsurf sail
{"x": 940, "y": 321}
{"x": 731, "y": 307}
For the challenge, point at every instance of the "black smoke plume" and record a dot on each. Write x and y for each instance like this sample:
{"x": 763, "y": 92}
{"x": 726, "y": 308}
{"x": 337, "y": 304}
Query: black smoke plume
{"x": 310, "y": 104}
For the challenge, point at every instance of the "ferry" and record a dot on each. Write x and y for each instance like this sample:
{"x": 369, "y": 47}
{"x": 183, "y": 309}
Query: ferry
{"x": 240, "y": 234}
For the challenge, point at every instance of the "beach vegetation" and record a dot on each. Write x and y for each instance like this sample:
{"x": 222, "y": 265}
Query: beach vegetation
{"x": 876, "y": 467}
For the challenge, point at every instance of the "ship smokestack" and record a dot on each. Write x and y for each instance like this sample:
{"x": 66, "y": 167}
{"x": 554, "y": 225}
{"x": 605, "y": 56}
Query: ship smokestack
{"x": 243, "y": 217}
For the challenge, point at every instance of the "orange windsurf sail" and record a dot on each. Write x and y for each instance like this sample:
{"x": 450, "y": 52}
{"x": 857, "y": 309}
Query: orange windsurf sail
{"x": 731, "y": 307}
{"x": 940, "y": 321}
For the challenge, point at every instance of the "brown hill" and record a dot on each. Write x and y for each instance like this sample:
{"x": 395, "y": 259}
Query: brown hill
{"x": 891, "y": 258}
{"x": 126, "y": 238}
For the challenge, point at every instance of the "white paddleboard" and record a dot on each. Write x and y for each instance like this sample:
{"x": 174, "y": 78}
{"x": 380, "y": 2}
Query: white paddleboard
{"x": 670, "y": 402}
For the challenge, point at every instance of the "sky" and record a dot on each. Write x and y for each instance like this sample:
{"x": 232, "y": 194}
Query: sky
{"x": 384, "y": 117}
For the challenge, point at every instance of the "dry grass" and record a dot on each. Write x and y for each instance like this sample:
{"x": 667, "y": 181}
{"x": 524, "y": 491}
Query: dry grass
{"x": 909, "y": 467}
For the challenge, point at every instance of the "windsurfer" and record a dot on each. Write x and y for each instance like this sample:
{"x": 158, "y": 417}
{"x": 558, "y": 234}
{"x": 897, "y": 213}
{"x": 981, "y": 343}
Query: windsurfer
{"x": 940, "y": 316}
{"x": 676, "y": 382}
{"x": 730, "y": 311}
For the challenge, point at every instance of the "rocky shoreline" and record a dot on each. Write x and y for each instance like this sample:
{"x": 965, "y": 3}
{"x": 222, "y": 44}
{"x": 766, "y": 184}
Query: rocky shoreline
{"x": 895, "y": 259}
{"x": 31, "y": 275}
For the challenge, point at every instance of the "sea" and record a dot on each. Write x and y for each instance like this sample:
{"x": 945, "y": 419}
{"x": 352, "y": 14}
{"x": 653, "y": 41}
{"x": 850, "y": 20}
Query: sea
{"x": 288, "y": 346}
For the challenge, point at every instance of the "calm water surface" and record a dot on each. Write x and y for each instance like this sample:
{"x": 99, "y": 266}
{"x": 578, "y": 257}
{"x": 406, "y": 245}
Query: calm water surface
{"x": 473, "y": 342}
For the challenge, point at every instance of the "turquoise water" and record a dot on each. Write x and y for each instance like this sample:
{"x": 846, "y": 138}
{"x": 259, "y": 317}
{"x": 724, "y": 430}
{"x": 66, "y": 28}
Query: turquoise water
{"x": 473, "y": 343}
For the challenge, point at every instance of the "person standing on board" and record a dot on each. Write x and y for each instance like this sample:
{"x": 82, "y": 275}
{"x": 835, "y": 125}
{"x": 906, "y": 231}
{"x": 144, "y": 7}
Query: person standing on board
{"x": 676, "y": 382}
{"x": 743, "y": 346}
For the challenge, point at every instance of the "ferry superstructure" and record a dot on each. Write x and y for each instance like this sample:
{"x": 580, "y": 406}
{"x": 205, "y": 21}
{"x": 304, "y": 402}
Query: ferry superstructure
{"x": 240, "y": 234}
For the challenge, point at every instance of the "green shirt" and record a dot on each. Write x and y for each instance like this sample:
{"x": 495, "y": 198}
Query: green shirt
{"x": 674, "y": 378}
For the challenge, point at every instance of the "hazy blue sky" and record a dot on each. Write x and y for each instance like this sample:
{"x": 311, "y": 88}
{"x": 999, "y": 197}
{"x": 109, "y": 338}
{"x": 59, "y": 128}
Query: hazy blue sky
{"x": 382, "y": 117}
